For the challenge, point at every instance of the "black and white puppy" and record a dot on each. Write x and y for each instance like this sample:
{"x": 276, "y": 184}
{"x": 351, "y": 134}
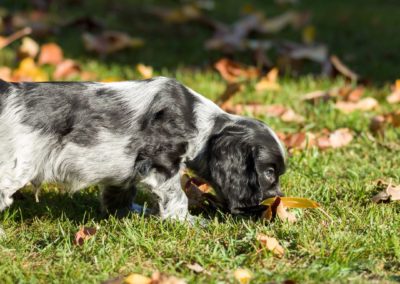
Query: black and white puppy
{"x": 118, "y": 134}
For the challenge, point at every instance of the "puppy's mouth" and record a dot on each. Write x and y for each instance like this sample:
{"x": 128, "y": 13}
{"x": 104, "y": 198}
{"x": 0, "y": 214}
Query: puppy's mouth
{"x": 255, "y": 210}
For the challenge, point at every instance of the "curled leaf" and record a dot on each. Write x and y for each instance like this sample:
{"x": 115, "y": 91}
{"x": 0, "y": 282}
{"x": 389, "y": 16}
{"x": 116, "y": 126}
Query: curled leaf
{"x": 271, "y": 244}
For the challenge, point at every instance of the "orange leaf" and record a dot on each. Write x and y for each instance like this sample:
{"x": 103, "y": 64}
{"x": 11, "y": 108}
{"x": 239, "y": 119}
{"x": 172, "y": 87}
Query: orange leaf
{"x": 84, "y": 234}
{"x": 232, "y": 71}
{"x": 50, "y": 53}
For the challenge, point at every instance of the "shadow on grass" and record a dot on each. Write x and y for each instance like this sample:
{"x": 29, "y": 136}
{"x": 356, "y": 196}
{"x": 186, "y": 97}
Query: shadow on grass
{"x": 78, "y": 207}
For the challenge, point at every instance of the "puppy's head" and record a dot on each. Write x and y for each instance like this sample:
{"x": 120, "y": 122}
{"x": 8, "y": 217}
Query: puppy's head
{"x": 245, "y": 162}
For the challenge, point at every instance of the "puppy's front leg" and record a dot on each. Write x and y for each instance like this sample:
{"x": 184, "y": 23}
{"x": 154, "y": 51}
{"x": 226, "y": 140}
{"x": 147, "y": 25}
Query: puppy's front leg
{"x": 173, "y": 202}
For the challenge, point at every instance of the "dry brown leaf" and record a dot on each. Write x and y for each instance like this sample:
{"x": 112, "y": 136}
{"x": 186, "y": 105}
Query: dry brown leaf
{"x": 269, "y": 82}
{"x": 284, "y": 113}
{"x": 340, "y": 137}
{"x": 110, "y": 42}
{"x": 343, "y": 69}
{"x": 355, "y": 94}
{"x": 234, "y": 72}
{"x": 197, "y": 268}
{"x": 243, "y": 276}
{"x": 290, "y": 116}
{"x": 391, "y": 193}
{"x": 377, "y": 125}
{"x": 84, "y": 234}
{"x": 28, "y": 48}
{"x": 271, "y": 244}
{"x": 145, "y": 71}
{"x": 285, "y": 215}
{"x": 365, "y": 104}
{"x": 67, "y": 69}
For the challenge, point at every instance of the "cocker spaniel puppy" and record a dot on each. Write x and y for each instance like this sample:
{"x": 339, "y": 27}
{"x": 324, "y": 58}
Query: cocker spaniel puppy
{"x": 119, "y": 134}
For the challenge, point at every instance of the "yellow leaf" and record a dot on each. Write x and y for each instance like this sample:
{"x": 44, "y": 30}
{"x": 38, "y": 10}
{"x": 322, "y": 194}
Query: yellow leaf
{"x": 137, "y": 279}
{"x": 145, "y": 71}
{"x": 243, "y": 276}
{"x": 28, "y": 71}
{"x": 269, "y": 81}
{"x": 293, "y": 202}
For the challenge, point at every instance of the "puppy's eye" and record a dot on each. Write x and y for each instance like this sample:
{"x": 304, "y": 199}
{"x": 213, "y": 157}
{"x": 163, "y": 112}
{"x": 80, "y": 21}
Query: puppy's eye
{"x": 270, "y": 173}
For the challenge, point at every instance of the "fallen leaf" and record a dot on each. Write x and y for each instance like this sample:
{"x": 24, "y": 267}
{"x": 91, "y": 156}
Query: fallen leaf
{"x": 29, "y": 71}
{"x": 340, "y": 137}
{"x": 66, "y": 69}
{"x": 135, "y": 278}
{"x": 28, "y": 48}
{"x": 292, "y": 202}
{"x": 365, "y": 104}
{"x": 285, "y": 215}
{"x": 5, "y": 73}
{"x": 196, "y": 267}
{"x": 394, "y": 97}
{"x": 284, "y": 113}
{"x": 109, "y": 42}
{"x": 84, "y": 234}
{"x": 342, "y": 69}
{"x": 269, "y": 82}
{"x": 234, "y": 72}
{"x": 161, "y": 278}
{"x": 243, "y": 276}
{"x": 316, "y": 97}
{"x": 355, "y": 94}
{"x": 50, "y": 53}
{"x": 271, "y": 244}
{"x": 391, "y": 193}
{"x": 145, "y": 71}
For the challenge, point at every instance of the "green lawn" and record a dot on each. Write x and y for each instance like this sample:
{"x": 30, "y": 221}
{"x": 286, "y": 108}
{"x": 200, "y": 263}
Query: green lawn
{"x": 360, "y": 244}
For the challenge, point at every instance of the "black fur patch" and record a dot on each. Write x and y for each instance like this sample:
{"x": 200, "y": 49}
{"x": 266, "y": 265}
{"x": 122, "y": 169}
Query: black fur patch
{"x": 72, "y": 111}
{"x": 165, "y": 130}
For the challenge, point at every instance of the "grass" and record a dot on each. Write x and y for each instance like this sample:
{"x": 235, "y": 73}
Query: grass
{"x": 361, "y": 244}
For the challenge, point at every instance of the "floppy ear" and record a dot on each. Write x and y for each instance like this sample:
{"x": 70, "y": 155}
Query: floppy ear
{"x": 232, "y": 169}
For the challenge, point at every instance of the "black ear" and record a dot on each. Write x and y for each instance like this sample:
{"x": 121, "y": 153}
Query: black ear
{"x": 232, "y": 168}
